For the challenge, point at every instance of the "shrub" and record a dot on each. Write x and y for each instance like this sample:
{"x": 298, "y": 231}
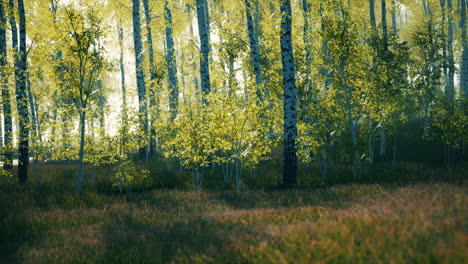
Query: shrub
{"x": 128, "y": 176}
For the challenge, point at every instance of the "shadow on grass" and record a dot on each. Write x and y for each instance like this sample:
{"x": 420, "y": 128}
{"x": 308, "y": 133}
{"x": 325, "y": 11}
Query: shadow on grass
{"x": 134, "y": 240}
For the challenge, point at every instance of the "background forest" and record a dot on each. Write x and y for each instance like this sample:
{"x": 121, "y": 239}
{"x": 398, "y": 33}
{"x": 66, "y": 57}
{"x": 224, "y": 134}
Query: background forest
{"x": 127, "y": 104}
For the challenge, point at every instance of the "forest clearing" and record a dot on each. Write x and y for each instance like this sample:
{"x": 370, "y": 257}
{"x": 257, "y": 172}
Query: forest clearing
{"x": 233, "y": 131}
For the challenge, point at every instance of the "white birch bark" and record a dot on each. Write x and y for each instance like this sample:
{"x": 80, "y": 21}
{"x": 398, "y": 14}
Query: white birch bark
{"x": 290, "y": 96}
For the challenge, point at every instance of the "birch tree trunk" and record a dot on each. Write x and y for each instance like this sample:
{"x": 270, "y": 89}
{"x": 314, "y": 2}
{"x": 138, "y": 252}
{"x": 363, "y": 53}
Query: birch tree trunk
{"x": 290, "y": 97}
{"x": 450, "y": 90}
{"x": 394, "y": 19}
{"x": 205, "y": 48}
{"x": 326, "y": 52}
{"x": 307, "y": 11}
{"x": 21, "y": 99}
{"x": 6, "y": 97}
{"x": 101, "y": 104}
{"x": 124, "y": 90}
{"x": 193, "y": 65}
{"x": 140, "y": 78}
{"x": 151, "y": 149}
{"x": 371, "y": 137}
{"x": 81, "y": 152}
{"x": 171, "y": 63}
{"x": 444, "y": 46}
{"x": 254, "y": 47}
{"x": 372, "y": 13}
{"x": 383, "y": 136}
{"x": 464, "y": 59}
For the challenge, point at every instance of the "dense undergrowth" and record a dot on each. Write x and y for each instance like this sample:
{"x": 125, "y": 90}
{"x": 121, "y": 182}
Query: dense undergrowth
{"x": 403, "y": 213}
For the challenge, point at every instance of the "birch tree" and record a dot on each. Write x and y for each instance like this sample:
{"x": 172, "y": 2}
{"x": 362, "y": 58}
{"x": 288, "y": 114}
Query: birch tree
{"x": 254, "y": 46}
{"x": 464, "y": 58}
{"x": 140, "y": 78}
{"x": 6, "y": 97}
{"x": 171, "y": 63}
{"x": 21, "y": 97}
{"x": 290, "y": 97}
{"x": 82, "y": 62}
{"x": 203, "y": 30}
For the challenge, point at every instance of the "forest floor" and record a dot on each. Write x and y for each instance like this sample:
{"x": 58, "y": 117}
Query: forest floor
{"x": 352, "y": 223}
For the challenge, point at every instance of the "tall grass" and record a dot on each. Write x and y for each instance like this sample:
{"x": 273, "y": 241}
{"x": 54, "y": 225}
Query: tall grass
{"x": 418, "y": 219}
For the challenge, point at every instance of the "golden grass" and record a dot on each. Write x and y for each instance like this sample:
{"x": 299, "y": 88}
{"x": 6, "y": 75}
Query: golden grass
{"x": 424, "y": 223}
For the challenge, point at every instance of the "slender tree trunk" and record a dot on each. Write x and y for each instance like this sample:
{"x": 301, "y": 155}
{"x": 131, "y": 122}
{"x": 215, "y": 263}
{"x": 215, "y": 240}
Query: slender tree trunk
{"x": 238, "y": 173}
{"x": 81, "y": 153}
{"x": 394, "y": 20}
{"x": 290, "y": 96}
{"x": 151, "y": 149}
{"x": 35, "y": 130}
{"x": 354, "y": 139}
{"x": 208, "y": 27}
{"x": 371, "y": 137}
{"x": 444, "y": 46}
{"x": 384, "y": 24}
{"x": 450, "y": 60}
{"x": 326, "y": 52}
{"x": 124, "y": 91}
{"x": 171, "y": 64}
{"x": 464, "y": 59}
{"x": 6, "y": 97}
{"x": 102, "y": 104}
{"x": 205, "y": 48}
{"x": 307, "y": 11}
{"x": 383, "y": 137}
{"x": 372, "y": 13}
{"x": 395, "y": 137}
{"x": 1, "y": 117}
{"x": 254, "y": 47}
{"x": 21, "y": 99}
{"x": 140, "y": 76}
{"x": 192, "y": 56}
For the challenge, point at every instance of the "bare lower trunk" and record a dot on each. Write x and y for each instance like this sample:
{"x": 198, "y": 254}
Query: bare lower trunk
{"x": 324, "y": 168}
{"x": 383, "y": 143}
{"x": 449, "y": 156}
{"x": 394, "y": 147}
{"x": 81, "y": 154}
{"x": 426, "y": 123}
{"x": 371, "y": 141}
{"x": 354, "y": 139}
{"x": 238, "y": 174}
{"x": 197, "y": 178}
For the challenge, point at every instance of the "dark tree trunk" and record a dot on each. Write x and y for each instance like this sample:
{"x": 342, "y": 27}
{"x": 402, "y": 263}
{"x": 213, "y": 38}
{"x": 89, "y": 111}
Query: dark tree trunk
{"x": 372, "y": 13}
{"x": 383, "y": 136}
{"x": 140, "y": 76}
{"x": 171, "y": 64}
{"x": 6, "y": 97}
{"x": 81, "y": 153}
{"x": 450, "y": 90}
{"x": 22, "y": 99}
{"x": 254, "y": 47}
{"x": 124, "y": 91}
{"x": 205, "y": 48}
{"x": 153, "y": 77}
{"x": 464, "y": 59}
{"x": 290, "y": 97}
{"x": 101, "y": 104}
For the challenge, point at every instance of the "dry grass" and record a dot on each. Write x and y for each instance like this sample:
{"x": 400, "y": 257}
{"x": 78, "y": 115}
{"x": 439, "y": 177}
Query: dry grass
{"x": 420, "y": 223}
